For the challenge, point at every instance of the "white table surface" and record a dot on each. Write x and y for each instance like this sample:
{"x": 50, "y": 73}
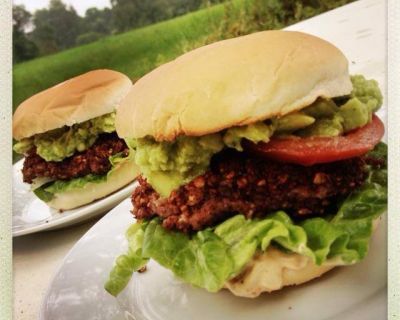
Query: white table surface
{"x": 36, "y": 257}
{"x": 358, "y": 29}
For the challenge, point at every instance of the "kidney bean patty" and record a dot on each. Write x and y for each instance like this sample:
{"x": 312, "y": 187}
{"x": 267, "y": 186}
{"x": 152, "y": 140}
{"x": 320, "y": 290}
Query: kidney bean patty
{"x": 92, "y": 160}
{"x": 241, "y": 183}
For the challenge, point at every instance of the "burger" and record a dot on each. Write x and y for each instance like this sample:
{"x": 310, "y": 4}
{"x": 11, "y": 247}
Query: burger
{"x": 261, "y": 164}
{"x": 66, "y": 133}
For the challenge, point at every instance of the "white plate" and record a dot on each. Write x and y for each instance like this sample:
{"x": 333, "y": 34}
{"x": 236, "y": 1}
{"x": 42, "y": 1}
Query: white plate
{"x": 76, "y": 292}
{"x": 350, "y": 293}
{"x": 30, "y": 214}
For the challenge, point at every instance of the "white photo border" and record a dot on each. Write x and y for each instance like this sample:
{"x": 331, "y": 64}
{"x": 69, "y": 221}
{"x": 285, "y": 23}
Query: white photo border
{"x": 394, "y": 158}
{"x": 6, "y": 159}
{"x": 393, "y": 143}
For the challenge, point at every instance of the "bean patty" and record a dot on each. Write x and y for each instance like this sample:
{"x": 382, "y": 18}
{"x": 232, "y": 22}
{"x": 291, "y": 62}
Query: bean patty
{"x": 241, "y": 183}
{"x": 93, "y": 160}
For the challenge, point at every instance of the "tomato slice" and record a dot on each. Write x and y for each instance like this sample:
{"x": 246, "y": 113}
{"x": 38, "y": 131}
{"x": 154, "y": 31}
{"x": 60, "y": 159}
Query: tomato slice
{"x": 312, "y": 150}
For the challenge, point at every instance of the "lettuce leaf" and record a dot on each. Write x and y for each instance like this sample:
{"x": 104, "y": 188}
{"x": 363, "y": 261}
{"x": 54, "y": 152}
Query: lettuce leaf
{"x": 211, "y": 257}
{"x": 132, "y": 261}
{"x": 42, "y": 194}
{"x": 63, "y": 186}
{"x": 117, "y": 159}
{"x": 47, "y": 191}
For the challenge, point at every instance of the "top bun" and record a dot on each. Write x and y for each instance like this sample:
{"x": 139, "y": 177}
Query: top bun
{"x": 76, "y": 100}
{"x": 233, "y": 82}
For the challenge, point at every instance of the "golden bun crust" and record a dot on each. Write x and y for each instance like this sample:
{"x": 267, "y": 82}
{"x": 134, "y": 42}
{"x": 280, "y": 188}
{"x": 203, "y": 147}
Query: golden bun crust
{"x": 126, "y": 173}
{"x": 76, "y": 100}
{"x": 233, "y": 82}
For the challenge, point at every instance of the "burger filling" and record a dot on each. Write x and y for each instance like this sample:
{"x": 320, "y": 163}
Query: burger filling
{"x": 311, "y": 182}
{"x": 93, "y": 160}
{"x": 71, "y": 157}
{"x": 169, "y": 165}
{"x": 240, "y": 183}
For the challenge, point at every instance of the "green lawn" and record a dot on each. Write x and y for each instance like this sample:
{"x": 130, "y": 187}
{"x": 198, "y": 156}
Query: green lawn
{"x": 133, "y": 53}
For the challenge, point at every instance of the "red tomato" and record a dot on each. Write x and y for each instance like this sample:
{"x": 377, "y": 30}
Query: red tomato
{"x": 312, "y": 150}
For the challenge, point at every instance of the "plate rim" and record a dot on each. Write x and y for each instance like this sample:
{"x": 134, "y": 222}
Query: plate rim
{"x": 89, "y": 211}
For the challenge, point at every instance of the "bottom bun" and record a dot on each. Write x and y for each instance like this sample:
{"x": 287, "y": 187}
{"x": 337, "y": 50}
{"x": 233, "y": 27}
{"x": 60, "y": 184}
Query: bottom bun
{"x": 119, "y": 178}
{"x": 274, "y": 269}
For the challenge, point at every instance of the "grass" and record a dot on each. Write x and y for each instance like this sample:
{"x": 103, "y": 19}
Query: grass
{"x": 133, "y": 53}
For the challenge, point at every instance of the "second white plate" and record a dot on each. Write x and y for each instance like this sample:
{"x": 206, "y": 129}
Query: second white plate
{"x": 30, "y": 214}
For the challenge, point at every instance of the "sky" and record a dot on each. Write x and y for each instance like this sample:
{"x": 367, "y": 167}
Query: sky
{"x": 79, "y": 5}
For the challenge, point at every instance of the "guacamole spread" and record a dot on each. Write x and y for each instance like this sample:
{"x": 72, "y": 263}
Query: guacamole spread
{"x": 58, "y": 144}
{"x": 168, "y": 165}
{"x": 333, "y": 119}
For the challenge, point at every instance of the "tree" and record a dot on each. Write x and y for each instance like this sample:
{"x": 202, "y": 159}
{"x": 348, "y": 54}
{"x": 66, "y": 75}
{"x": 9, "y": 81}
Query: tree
{"x": 129, "y": 14}
{"x": 125, "y": 14}
{"x": 21, "y": 17}
{"x": 23, "y": 48}
{"x": 56, "y": 28}
{"x": 97, "y": 21}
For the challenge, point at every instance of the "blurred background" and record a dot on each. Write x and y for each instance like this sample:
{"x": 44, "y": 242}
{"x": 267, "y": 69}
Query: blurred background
{"x": 58, "y": 39}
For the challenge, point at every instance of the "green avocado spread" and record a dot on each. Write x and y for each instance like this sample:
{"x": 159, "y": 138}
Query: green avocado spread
{"x": 337, "y": 116}
{"x": 58, "y": 144}
{"x": 168, "y": 165}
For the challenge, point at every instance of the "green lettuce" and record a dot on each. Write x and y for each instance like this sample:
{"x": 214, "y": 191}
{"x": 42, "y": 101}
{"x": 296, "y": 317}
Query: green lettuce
{"x": 42, "y": 194}
{"x": 47, "y": 191}
{"x": 118, "y": 158}
{"x": 63, "y": 186}
{"x": 132, "y": 261}
{"x": 211, "y": 257}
